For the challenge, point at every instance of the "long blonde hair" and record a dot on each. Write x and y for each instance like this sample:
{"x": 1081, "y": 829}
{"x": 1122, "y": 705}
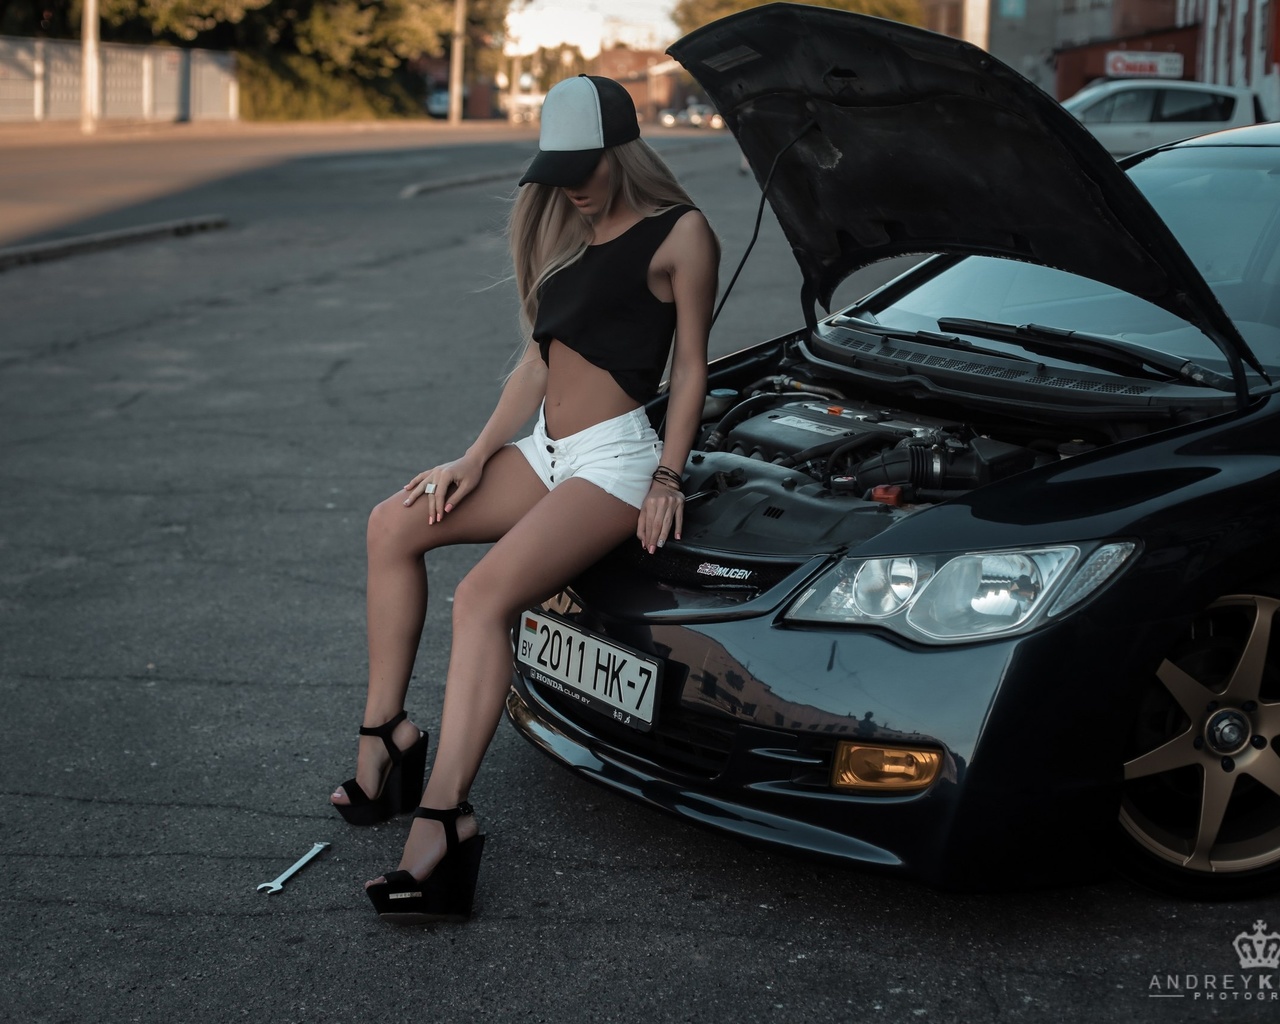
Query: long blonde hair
{"x": 547, "y": 233}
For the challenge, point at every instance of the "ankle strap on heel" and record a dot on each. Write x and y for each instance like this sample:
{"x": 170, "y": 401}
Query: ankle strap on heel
{"x": 384, "y": 731}
{"x": 448, "y": 818}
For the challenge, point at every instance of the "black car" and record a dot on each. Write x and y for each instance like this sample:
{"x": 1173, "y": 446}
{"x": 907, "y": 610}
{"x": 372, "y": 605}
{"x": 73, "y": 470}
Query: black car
{"x": 978, "y": 574}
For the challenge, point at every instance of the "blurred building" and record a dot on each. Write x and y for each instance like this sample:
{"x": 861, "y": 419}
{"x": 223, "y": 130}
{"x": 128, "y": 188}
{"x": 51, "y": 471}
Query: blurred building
{"x": 1061, "y": 45}
{"x": 1122, "y": 38}
{"x": 1019, "y": 32}
{"x": 652, "y": 78}
{"x": 1227, "y": 42}
{"x": 1239, "y": 45}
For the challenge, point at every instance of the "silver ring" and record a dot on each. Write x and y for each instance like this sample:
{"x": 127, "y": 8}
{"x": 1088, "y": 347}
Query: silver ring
{"x": 429, "y": 489}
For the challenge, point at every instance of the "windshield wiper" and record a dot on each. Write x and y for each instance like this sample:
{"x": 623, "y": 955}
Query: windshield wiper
{"x": 928, "y": 337}
{"x": 1098, "y": 350}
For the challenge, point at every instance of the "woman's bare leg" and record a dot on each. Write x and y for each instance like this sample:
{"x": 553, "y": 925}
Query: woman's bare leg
{"x": 398, "y": 537}
{"x": 565, "y": 532}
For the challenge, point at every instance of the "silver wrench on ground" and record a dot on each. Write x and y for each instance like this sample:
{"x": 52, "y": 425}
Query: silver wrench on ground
{"x": 278, "y": 884}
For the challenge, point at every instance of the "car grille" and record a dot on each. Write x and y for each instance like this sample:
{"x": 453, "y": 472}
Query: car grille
{"x": 683, "y": 741}
{"x": 695, "y": 744}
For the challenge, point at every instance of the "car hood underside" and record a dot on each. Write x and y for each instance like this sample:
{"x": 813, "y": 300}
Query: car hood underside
{"x": 890, "y": 140}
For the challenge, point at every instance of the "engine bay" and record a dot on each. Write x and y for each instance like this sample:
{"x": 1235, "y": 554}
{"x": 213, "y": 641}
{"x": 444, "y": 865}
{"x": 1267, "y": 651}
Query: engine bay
{"x": 867, "y": 451}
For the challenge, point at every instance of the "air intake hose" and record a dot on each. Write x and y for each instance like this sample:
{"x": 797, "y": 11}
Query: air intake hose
{"x": 931, "y": 468}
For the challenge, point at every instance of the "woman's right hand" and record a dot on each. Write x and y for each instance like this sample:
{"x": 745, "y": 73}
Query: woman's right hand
{"x": 444, "y": 486}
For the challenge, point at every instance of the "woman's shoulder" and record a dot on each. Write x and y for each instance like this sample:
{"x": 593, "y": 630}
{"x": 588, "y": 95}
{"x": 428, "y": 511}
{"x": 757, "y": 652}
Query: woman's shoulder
{"x": 676, "y": 211}
{"x": 685, "y": 219}
{"x": 690, "y": 240}
{"x": 689, "y": 224}
{"x": 679, "y": 221}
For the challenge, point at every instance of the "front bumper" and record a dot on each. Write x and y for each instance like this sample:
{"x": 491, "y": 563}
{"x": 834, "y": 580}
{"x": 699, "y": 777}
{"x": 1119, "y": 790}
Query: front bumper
{"x": 747, "y": 725}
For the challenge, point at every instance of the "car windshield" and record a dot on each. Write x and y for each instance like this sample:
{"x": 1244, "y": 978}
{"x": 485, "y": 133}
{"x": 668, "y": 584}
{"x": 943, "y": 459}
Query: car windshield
{"x": 1222, "y": 203}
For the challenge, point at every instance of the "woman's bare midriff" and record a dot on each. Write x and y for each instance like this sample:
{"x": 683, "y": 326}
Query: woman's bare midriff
{"x": 579, "y": 393}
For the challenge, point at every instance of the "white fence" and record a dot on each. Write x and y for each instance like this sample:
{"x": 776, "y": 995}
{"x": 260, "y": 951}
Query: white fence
{"x": 40, "y": 81}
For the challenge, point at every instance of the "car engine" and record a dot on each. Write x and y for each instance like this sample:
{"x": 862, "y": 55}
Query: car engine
{"x": 865, "y": 451}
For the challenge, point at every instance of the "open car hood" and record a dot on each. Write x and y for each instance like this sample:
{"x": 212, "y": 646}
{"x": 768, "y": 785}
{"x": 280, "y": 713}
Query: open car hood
{"x": 890, "y": 140}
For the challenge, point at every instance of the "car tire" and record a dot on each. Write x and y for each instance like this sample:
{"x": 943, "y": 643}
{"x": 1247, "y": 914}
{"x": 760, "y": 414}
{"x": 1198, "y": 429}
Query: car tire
{"x": 1200, "y": 805}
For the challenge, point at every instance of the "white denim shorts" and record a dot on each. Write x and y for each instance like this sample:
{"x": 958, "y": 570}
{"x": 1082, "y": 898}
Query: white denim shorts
{"x": 617, "y": 455}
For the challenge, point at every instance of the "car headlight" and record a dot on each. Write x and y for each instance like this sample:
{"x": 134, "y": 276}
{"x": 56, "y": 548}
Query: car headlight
{"x": 948, "y": 599}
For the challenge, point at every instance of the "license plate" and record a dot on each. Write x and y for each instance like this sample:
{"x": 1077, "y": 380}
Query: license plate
{"x": 612, "y": 680}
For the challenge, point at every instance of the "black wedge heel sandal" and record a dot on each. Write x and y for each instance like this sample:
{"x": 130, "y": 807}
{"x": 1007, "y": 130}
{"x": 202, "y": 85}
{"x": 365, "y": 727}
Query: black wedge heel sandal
{"x": 444, "y": 895}
{"x": 401, "y": 787}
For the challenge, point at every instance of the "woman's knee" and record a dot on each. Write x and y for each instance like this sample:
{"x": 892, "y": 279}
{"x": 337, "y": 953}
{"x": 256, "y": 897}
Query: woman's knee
{"x": 481, "y": 595}
{"x": 390, "y": 530}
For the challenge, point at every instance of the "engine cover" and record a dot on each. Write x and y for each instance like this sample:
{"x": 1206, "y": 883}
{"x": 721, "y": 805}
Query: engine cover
{"x": 799, "y": 426}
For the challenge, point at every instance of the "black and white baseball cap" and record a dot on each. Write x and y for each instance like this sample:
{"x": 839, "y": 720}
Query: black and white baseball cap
{"x": 581, "y": 118}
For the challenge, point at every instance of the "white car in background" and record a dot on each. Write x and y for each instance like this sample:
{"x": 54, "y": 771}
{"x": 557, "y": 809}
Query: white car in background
{"x": 1132, "y": 114}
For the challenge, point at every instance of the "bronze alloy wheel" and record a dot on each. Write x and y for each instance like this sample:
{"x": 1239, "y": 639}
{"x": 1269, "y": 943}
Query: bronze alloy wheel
{"x": 1200, "y": 814}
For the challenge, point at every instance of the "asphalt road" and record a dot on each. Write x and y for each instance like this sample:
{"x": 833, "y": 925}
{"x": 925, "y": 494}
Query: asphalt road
{"x": 191, "y": 433}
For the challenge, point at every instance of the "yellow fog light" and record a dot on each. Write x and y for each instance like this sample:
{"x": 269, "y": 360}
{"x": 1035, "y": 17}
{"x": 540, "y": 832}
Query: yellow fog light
{"x": 866, "y": 766}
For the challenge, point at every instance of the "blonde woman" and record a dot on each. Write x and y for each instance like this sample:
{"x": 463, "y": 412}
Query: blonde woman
{"x": 613, "y": 265}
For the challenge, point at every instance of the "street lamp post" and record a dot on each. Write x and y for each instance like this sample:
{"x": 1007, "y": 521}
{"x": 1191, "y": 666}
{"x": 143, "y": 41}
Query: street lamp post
{"x": 457, "y": 53}
{"x": 89, "y": 76}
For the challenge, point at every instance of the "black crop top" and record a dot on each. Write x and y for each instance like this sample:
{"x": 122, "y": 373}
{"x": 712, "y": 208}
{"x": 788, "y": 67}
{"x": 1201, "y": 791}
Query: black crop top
{"x": 602, "y": 308}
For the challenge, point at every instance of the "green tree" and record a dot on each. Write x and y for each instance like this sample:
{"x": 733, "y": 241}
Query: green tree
{"x": 372, "y": 39}
{"x": 360, "y": 36}
{"x": 179, "y": 19}
{"x": 691, "y": 14}
{"x": 33, "y": 18}
{"x": 313, "y": 58}
{"x": 552, "y": 63}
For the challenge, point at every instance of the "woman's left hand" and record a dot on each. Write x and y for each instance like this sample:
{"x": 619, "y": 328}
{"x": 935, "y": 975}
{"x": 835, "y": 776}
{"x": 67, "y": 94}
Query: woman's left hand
{"x": 661, "y": 515}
